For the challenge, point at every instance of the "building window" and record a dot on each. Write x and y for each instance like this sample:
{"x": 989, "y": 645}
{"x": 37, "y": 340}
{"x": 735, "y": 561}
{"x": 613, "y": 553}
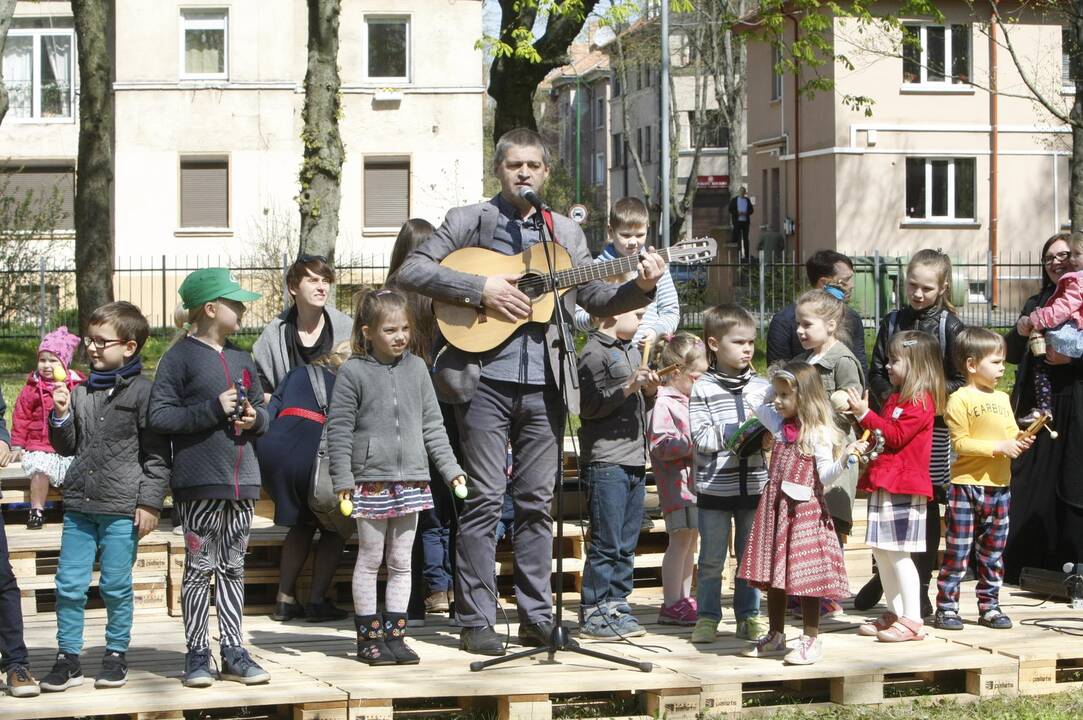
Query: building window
{"x": 616, "y": 84}
{"x": 387, "y": 56}
{"x": 936, "y": 54}
{"x": 39, "y": 67}
{"x": 776, "y": 72}
{"x": 204, "y": 41}
{"x": 599, "y": 168}
{"x": 617, "y": 152}
{"x": 599, "y": 111}
{"x": 639, "y": 143}
{"x": 204, "y": 193}
{"x": 647, "y": 145}
{"x": 1067, "y": 46}
{"x": 51, "y": 191}
{"x": 940, "y": 188}
{"x": 714, "y": 133}
{"x": 387, "y": 193}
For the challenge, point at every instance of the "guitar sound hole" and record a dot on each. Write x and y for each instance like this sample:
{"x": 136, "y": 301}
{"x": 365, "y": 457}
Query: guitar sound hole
{"x": 532, "y": 285}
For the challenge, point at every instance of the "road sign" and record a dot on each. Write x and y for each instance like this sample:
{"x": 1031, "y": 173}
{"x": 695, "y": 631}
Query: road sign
{"x": 578, "y": 213}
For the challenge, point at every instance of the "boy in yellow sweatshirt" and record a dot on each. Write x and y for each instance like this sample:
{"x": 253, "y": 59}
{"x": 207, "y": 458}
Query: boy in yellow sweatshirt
{"x": 985, "y": 437}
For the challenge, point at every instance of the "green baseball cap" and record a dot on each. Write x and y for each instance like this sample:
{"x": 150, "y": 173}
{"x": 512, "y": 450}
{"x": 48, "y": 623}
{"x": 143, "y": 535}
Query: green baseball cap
{"x": 209, "y": 284}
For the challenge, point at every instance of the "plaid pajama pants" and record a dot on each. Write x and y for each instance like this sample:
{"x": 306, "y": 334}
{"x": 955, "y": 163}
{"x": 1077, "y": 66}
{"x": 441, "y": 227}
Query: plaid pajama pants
{"x": 977, "y": 519}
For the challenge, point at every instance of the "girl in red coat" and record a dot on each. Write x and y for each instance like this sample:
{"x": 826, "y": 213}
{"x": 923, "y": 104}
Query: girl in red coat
{"x": 898, "y": 481}
{"x": 792, "y": 548}
{"x": 30, "y": 419}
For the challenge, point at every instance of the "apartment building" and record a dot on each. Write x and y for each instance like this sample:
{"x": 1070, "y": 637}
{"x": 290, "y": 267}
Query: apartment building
{"x": 942, "y": 161}
{"x": 208, "y": 98}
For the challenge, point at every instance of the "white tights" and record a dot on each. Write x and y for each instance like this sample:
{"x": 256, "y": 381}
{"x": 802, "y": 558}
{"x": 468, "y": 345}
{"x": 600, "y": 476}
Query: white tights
{"x": 377, "y": 539}
{"x": 899, "y": 576}
{"x": 677, "y": 565}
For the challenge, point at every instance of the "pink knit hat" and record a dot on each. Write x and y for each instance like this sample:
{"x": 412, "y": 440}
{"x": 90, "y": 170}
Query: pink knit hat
{"x": 61, "y": 343}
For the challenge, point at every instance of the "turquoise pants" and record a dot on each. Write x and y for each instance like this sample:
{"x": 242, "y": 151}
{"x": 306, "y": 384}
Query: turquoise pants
{"x": 84, "y": 536}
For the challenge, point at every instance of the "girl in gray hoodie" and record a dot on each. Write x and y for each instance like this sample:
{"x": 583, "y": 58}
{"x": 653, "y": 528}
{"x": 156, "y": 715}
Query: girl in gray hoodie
{"x": 383, "y": 425}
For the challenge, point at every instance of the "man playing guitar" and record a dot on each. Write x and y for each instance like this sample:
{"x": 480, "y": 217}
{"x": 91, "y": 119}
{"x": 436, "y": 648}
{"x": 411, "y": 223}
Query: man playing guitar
{"x": 510, "y": 392}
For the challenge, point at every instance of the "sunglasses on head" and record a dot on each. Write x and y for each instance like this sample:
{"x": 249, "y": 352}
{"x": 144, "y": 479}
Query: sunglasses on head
{"x": 305, "y": 258}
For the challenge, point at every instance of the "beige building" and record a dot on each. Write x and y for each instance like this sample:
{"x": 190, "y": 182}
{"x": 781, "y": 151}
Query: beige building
{"x": 208, "y": 99}
{"x": 942, "y": 162}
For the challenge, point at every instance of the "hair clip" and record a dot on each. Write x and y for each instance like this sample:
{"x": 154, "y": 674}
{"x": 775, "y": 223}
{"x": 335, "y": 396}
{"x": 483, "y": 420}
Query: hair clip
{"x": 909, "y": 343}
{"x": 668, "y": 337}
{"x": 382, "y": 292}
{"x": 699, "y": 342}
{"x": 781, "y": 374}
{"x": 835, "y": 291}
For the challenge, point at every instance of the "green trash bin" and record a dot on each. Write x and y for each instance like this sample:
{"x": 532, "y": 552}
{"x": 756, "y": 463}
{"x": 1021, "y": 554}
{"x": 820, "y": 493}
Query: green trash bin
{"x": 869, "y": 295}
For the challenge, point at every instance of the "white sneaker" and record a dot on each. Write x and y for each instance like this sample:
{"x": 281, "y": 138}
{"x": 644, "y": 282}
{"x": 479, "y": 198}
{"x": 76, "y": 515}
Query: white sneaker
{"x": 807, "y": 651}
{"x": 773, "y": 644}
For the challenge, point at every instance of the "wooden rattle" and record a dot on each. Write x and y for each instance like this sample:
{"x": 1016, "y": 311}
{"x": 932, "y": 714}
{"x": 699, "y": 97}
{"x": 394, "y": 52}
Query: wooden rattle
{"x": 669, "y": 370}
{"x": 854, "y": 457}
{"x": 1042, "y": 421}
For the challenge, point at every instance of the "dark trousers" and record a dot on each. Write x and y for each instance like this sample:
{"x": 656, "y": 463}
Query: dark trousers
{"x": 740, "y": 236}
{"x": 12, "y": 647}
{"x": 531, "y": 416}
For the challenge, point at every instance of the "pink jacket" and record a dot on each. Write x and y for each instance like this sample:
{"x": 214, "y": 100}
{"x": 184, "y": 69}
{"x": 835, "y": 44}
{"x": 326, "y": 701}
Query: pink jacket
{"x": 30, "y": 417}
{"x": 669, "y": 437}
{"x": 1065, "y": 304}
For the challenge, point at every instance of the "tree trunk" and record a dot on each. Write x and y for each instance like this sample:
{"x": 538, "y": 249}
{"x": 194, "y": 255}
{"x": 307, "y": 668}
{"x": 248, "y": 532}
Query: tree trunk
{"x": 7, "y": 9}
{"x": 94, "y": 175}
{"x": 321, "y": 169}
{"x": 512, "y": 84}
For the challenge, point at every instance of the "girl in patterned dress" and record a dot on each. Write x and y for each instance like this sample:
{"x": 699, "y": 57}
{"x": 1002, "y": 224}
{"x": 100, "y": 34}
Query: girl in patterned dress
{"x": 898, "y": 481}
{"x": 383, "y": 426}
{"x": 792, "y": 548}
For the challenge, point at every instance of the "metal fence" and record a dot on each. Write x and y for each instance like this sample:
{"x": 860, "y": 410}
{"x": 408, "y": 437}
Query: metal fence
{"x": 989, "y": 290}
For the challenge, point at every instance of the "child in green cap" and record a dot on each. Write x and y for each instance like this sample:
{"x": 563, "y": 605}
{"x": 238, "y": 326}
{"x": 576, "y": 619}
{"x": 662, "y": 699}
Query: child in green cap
{"x": 207, "y": 398}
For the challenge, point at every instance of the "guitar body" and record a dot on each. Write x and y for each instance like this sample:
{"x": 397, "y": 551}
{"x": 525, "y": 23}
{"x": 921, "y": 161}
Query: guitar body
{"x": 478, "y": 330}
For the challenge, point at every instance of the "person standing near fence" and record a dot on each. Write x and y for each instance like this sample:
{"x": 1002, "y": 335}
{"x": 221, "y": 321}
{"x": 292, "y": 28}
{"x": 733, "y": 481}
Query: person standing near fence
{"x": 741, "y": 210}
{"x": 823, "y": 268}
{"x": 310, "y": 328}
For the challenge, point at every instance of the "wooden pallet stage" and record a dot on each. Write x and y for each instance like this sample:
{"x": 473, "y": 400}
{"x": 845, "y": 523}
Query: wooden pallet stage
{"x": 314, "y": 675}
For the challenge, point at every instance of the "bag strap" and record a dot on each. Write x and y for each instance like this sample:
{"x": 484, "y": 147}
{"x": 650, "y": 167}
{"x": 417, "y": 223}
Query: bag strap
{"x": 892, "y": 323}
{"x": 943, "y": 331}
{"x": 315, "y": 378}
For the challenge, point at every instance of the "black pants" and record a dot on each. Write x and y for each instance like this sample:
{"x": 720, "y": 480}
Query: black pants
{"x": 740, "y": 236}
{"x": 12, "y": 647}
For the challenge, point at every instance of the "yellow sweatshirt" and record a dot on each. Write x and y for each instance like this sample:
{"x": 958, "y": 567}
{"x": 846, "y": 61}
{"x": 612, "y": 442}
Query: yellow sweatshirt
{"x": 978, "y": 420}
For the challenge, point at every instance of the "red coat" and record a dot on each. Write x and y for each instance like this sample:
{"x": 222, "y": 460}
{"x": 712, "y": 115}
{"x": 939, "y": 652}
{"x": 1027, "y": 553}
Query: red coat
{"x": 903, "y": 467}
{"x": 30, "y": 417}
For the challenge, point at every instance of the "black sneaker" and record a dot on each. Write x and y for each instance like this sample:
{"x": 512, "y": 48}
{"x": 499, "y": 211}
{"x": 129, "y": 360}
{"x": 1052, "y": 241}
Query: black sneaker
{"x": 114, "y": 672}
{"x": 948, "y": 620}
{"x": 287, "y": 611}
{"x": 35, "y": 520}
{"x": 66, "y": 673}
{"x": 325, "y": 611}
{"x": 994, "y": 618}
{"x": 238, "y": 665}
{"x": 197, "y": 669}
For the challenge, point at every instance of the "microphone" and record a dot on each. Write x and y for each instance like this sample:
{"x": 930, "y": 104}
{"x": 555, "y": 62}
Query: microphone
{"x": 527, "y": 193}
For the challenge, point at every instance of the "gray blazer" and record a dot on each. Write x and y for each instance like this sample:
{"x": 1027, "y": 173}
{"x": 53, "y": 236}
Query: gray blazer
{"x": 456, "y": 373}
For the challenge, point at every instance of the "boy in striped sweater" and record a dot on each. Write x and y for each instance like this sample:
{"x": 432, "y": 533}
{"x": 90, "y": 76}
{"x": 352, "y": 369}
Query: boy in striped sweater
{"x": 727, "y": 486}
{"x": 627, "y": 232}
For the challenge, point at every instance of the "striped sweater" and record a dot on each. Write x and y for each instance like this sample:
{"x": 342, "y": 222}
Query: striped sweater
{"x": 715, "y": 413}
{"x": 663, "y": 314}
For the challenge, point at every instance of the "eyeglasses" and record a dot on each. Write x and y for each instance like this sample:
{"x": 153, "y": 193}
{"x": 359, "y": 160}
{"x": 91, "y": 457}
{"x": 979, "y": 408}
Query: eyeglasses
{"x": 101, "y": 343}
{"x": 1057, "y": 257}
{"x": 311, "y": 258}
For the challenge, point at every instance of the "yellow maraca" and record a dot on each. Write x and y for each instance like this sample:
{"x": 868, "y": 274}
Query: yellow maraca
{"x": 346, "y": 507}
{"x": 59, "y": 375}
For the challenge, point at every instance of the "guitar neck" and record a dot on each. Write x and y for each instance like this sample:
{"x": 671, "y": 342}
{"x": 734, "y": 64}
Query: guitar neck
{"x": 600, "y": 270}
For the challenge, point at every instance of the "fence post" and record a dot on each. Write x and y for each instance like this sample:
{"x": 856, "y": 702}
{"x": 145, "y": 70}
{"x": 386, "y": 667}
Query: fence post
{"x": 165, "y": 301}
{"x": 876, "y": 288}
{"x": 41, "y": 298}
{"x": 763, "y": 290}
{"x": 285, "y": 285}
{"x": 988, "y": 288}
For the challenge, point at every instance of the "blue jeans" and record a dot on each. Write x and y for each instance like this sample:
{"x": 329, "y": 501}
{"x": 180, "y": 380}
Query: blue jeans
{"x": 714, "y": 533}
{"x": 616, "y": 514}
{"x": 84, "y": 535}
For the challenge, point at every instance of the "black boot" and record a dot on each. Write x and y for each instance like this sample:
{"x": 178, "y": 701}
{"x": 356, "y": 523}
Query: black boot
{"x": 926, "y": 604}
{"x": 870, "y": 594}
{"x": 395, "y": 631}
{"x": 371, "y": 648}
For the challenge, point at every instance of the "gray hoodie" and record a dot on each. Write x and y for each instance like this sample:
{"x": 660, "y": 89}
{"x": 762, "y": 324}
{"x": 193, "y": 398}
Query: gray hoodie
{"x": 384, "y": 424}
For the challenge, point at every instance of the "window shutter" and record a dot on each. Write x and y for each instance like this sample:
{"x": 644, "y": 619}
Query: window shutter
{"x": 387, "y": 193}
{"x": 42, "y": 182}
{"x": 205, "y": 194}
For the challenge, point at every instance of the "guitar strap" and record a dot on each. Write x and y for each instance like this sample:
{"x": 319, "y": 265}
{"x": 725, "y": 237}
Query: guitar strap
{"x": 547, "y": 217}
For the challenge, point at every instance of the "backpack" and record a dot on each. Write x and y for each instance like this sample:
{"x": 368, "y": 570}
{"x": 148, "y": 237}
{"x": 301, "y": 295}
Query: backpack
{"x": 322, "y": 498}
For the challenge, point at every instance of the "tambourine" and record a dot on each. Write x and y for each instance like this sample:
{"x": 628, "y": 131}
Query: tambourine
{"x": 746, "y": 439}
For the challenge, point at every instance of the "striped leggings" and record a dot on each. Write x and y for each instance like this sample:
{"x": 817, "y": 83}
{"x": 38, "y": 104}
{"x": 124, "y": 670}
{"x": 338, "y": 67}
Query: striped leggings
{"x": 215, "y": 539}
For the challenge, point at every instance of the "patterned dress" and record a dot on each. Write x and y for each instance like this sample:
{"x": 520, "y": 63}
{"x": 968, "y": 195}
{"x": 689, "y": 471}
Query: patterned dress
{"x": 792, "y": 545}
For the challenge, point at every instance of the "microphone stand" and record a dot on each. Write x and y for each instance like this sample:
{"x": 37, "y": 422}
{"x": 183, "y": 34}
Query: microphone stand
{"x": 559, "y": 639}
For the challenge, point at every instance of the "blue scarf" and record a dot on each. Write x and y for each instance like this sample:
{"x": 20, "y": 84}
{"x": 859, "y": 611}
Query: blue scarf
{"x": 107, "y": 379}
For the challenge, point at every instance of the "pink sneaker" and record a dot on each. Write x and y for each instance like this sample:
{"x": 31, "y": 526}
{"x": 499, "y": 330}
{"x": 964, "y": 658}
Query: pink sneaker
{"x": 681, "y": 612}
{"x": 829, "y": 608}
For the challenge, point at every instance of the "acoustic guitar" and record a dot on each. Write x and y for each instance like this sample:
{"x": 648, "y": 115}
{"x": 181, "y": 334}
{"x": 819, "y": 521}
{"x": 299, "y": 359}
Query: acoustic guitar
{"x": 476, "y": 330}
